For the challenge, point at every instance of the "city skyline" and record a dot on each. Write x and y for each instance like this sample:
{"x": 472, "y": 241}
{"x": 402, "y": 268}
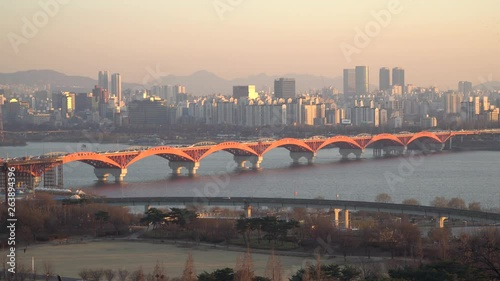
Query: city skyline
{"x": 438, "y": 49}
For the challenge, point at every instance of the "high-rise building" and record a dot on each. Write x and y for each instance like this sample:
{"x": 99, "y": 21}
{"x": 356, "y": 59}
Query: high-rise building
{"x": 349, "y": 82}
{"x": 116, "y": 87}
{"x": 103, "y": 80}
{"x": 465, "y": 87}
{"x": 398, "y": 77}
{"x": 284, "y": 88}
{"x": 385, "y": 79}
{"x": 245, "y": 92}
{"x": 452, "y": 102}
{"x": 362, "y": 80}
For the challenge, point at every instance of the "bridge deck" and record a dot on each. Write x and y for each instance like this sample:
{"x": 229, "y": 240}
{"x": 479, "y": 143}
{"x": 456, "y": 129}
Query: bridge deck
{"x": 306, "y": 203}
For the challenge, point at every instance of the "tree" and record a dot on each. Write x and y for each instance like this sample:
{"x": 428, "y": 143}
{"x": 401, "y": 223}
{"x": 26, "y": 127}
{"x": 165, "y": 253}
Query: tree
{"x": 189, "y": 273}
{"x": 475, "y": 206}
{"x": 411, "y": 201}
{"x": 96, "y": 274}
{"x": 383, "y": 198}
{"x": 224, "y": 274}
{"x": 441, "y": 236}
{"x": 109, "y": 274}
{"x": 439, "y": 202}
{"x": 48, "y": 269}
{"x": 326, "y": 273}
{"x": 137, "y": 275}
{"x": 153, "y": 216}
{"x": 244, "y": 268}
{"x": 243, "y": 227}
{"x": 122, "y": 274}
{"x": 273, "y": 268}
{"x": 181, "y": 217}
{"x": 439, "y": 271}
{"x": 482, "y": 251}
{"x": 457, "y": 203}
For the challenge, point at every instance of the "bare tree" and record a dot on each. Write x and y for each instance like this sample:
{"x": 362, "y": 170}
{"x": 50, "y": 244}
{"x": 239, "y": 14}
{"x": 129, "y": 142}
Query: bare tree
{"x": 439, "y": 202}
{"x": 189, "y": 273}
{"x": 457, "y": 203}
{"x": 48, "y": 269}
{"x": 383, "y": 198}
{"x": 96, "y": 274}
{"x": 109, "y": 274}
{"x": 411, "y": 201}
{"x": 84, "y": 274}
{"x": 244, "y": 268}
{"x": 475, "y": 206}
{"x": 123, "y": 274}
{"x": 482, "y": 251}
{"x": 22, "y": 272}
{"x": 273, "y": 269}
{"x": 138, "y": 275}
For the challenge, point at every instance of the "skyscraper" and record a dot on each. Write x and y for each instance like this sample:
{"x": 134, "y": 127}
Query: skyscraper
{"x": 245, "y": 92}
{"x": 385, "y": 79}
{"x": 349, "y": 82}
{"x": 284, "y": 88}
{"x": 465, "y": 87}
{"x": 103, "y": 80}
{"x": 398, "y": 77}
{"x": 116, "y": 87}
{"x": 362, "y": 80}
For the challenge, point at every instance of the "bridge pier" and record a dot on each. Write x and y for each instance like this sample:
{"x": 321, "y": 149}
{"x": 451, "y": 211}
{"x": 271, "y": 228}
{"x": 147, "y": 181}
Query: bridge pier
{"x": 242, "y": 159}
{"x": 296, "y": 155}
{"x": 248, "y": 210}
{"x": 102, "y": 174}
{"x": 394, "y": 150}
{"x": 346, "y": 151}
{"x": 176, "y": 167}
{"x": 336, "y": 213}
{"x": 441, "y": 221}
{"x": 378, "y": 152}
{"x": 346, "y": 218}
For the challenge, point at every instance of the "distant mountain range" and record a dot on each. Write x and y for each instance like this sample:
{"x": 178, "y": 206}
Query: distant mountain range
{"x": 199, "y": 83}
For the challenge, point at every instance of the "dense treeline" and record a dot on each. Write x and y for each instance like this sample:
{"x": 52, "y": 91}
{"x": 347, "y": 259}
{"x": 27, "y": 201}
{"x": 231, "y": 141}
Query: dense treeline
{"x": 43, "y": 219}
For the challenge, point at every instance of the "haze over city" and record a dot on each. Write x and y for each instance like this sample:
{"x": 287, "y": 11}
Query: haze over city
{"x": 437, "y": 45}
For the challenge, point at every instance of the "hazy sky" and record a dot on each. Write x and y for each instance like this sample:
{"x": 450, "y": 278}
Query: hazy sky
{"x": 437, "y": 42}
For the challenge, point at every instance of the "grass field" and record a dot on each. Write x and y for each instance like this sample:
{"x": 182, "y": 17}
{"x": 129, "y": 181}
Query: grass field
{"x": 69, "y": 259}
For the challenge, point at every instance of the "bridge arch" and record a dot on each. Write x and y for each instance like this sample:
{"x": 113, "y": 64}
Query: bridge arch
{"x": 424, "y": 135}
{"x": 385, "y": 137}
{"x": 91, "y": 158}
{"x": 340, "y": 141}
{"x": 290, "y": 144}
{"x": 167, "y": 152}
{"x": 235, "y": 148}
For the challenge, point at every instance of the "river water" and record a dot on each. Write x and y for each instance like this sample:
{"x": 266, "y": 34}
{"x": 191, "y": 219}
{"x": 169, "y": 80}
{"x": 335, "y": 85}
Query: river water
{"x": 472, "y": 176}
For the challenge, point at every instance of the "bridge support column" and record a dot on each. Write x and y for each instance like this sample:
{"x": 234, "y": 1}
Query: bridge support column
{"x": 248, "y": 210}
{"x": 242, "y": 159}
{"x": 176, "y": 167}
{"x": 441, "y": 221}
{"x": 102, "y": 174}
{"x": 346, "y": 151}
{"x": 346, "y": 218}
{"x": 296, "y": 155}
{"x": 395, "y": 150}
{"x": 336, "y": 213}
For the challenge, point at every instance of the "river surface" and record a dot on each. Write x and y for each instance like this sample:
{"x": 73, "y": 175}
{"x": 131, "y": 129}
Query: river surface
{"x": 472, "y": 176}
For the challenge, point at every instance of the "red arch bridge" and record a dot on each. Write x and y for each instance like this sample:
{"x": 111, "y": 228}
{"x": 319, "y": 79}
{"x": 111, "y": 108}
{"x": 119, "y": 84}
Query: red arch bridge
{"x": 30, "y": 170}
